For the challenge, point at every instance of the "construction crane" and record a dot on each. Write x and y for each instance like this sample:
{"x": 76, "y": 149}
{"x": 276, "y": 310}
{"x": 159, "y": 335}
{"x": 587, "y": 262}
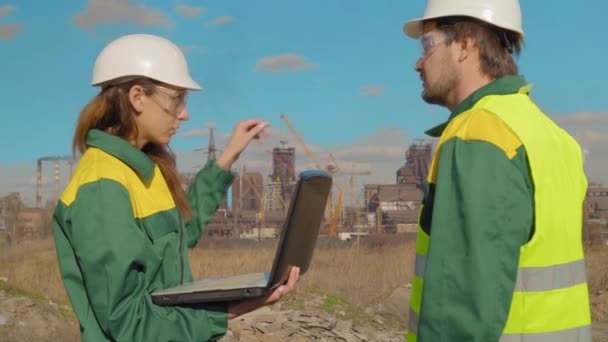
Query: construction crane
{"x": 262, "y": 200}
{"x": 332, "y": 166}
{"x": 259, "y": 196}
{"x": 311, "y": 157}
{"x": 337, "y": 207}
{"x": 330, "y": 208}
{"x": 338, "y": 172}
{"x": 328, "y": 166}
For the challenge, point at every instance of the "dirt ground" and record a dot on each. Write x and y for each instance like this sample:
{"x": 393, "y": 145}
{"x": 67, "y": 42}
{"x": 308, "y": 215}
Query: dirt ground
{"x": 310, "y": 316}
{"x": 24, "y": 317}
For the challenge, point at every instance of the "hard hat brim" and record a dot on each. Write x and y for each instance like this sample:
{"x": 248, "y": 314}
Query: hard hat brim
{"x": 190, "y": 84}
{"x": 413, "y": 28}
{"x": 187, "y": 84}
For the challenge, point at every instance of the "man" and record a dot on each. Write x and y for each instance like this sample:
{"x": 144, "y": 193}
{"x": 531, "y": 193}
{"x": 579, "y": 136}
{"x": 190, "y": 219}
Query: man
{"x": 499, "y": 245}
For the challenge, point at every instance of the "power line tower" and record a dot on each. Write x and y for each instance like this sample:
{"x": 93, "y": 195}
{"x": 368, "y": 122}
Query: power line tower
{"x": 211, "y": 149}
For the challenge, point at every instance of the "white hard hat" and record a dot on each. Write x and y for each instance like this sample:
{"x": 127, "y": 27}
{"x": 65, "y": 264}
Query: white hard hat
{"x": 505, "y": 14}
{"x": 146, "y": 55}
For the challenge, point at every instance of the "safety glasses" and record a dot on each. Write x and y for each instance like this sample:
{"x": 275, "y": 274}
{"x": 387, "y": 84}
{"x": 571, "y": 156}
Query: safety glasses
{"x": 177, "y": 100}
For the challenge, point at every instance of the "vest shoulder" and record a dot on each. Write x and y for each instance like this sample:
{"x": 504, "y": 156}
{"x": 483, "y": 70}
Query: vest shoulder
{"x": 480, "y": 124}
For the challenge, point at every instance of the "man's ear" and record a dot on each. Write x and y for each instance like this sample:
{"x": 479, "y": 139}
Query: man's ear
{"x": 465, "y": 48}
{"x": 136, "y": 95}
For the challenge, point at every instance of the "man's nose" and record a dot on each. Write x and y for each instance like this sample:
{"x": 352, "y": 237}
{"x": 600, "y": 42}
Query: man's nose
{"x": 418, "y": 64}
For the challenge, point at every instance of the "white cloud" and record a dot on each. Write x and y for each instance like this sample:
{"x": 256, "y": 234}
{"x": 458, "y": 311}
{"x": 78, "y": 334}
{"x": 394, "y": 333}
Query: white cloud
{"x": 195, "y": 132}
{"x": 382, "y": 152}
{"x": 591, "y": 137}
{"x": 189, "y": 11}
{"x": 372, "y": 153}
{"x": 589, "y": 129}
{"x": 222, "y": 20}
{"x": 186, "y": 48}
{"x": 582, "y": 117}
{"x": 9, "y": 31}
{"x": 284, "y": 62}
{"x": 201, "y": 131}
{"x": 5, "y": 10}
{"x": 100, "y": 12}
{"x": 591, "y": 132}
{"x": 372, "y": 90}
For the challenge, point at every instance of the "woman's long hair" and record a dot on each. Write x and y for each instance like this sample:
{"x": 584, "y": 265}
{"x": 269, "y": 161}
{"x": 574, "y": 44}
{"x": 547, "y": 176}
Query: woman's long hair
{"x": 111, "y": 111}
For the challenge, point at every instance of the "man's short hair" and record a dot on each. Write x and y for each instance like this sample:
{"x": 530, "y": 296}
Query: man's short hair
{"x": 497, "y": 46}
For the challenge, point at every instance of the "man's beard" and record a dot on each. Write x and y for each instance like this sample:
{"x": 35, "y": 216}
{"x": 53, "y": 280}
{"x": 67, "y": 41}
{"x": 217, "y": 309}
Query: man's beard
{"x": 437, "y": 93}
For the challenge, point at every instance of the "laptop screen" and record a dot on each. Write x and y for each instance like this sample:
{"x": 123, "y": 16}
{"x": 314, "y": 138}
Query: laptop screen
{"x": 302, "y": 224}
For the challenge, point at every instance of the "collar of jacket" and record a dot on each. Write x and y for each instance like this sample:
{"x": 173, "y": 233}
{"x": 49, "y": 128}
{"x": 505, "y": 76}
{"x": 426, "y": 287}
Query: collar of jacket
{"x": 122, "y": 150}
{"x": 502, "y": 86}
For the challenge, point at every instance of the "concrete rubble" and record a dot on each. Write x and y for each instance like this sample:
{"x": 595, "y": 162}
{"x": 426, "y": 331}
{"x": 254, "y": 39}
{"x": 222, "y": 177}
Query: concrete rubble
{"x": 297, "y": 326}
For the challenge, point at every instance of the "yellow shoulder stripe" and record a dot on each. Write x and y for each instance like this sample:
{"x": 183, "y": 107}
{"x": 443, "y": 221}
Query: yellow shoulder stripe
{"x": 479, "y": 125}
{"x": 146, "y": 198}
{"x": 482, "y": 125}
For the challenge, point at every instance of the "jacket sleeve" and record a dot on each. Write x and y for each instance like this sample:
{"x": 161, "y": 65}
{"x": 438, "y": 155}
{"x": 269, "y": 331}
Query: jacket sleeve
{"x": 206, "y": 195}
{"x": 482, "y": 214}
{"x": 118, "y": 266}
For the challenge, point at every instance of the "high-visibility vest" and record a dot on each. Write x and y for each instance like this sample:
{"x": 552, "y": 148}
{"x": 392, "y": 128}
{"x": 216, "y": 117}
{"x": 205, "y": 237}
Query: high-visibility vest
{"x": 550, "y": 299}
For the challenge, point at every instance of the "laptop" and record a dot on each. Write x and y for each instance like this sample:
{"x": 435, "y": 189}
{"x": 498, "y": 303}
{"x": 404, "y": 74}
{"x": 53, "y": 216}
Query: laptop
{"x": 295, "y": 248}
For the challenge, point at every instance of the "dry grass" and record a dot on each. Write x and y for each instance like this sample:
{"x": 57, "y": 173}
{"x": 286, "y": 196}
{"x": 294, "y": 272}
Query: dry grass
{"x": 32, "y": 266}
{"x": 597, "y": 273}
{"x": 362, "y": 275}
{"x": 597, "y": 266}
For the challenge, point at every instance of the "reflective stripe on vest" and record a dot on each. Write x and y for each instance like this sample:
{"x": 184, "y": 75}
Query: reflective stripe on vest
{"x": 530, "y": 279}
{"x": 535, "y": 279}
{"x": 550, "y": 299}
{"x": 568, "y": 335}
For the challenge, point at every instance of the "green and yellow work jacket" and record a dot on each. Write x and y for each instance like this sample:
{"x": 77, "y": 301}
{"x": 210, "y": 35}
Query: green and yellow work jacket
{"x": 119, "y": 237}
{"x": 499, "y": 253}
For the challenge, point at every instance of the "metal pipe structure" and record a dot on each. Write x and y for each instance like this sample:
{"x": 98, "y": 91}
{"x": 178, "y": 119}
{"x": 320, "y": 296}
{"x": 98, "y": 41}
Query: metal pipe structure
{"x": 56, "y": 178}
{"x": 56, "y": 159}
{"x": 39, "y": 184}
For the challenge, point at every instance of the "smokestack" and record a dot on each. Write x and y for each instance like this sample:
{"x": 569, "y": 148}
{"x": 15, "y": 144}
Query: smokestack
{"x": 56, "y": 178}
{"x": 39, "y": 184}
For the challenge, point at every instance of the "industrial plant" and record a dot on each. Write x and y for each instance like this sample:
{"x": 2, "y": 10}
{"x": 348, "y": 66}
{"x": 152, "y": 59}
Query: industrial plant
{"x": 259, "y": 202}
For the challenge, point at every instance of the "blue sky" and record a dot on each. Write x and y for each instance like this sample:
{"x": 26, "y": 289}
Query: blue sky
{"x": 341, "y": 70}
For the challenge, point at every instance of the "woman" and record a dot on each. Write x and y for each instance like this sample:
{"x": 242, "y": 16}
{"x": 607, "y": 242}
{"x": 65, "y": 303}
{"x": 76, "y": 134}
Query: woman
{"x": 123, "y": 225}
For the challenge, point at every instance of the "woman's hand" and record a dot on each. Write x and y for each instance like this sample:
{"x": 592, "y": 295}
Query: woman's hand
{"x": 240, "y": 308}
{"x": 243, "y": 133}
